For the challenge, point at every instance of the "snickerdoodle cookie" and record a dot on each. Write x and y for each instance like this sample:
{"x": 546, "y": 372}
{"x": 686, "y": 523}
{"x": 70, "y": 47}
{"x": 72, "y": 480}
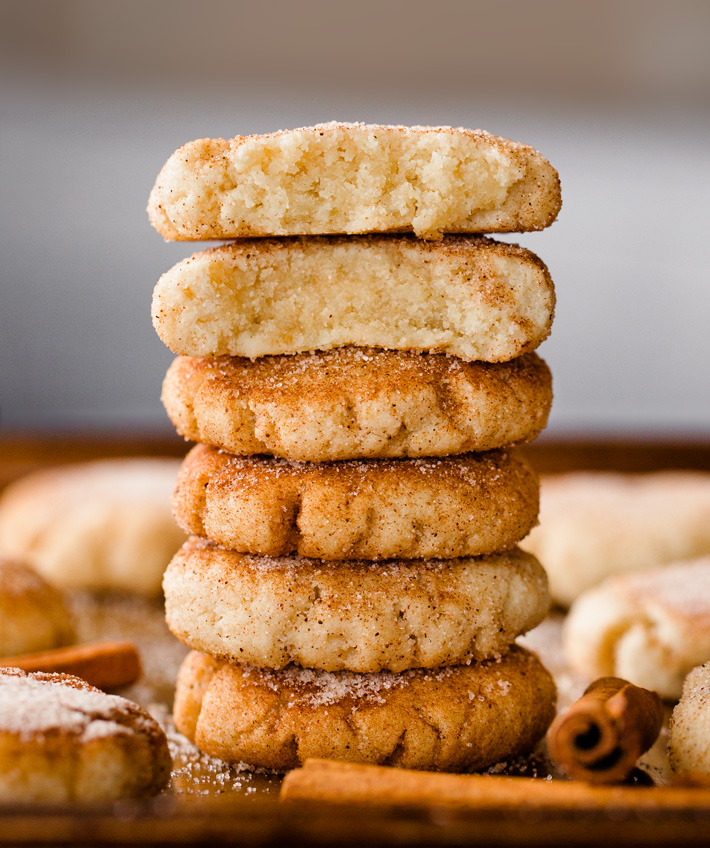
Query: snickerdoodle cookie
{"x": 597, "y": 524}
{"x": 650, "y": 627}
{"x": 33, "y": 616}
{"x": 359, "y": 616}
{"x": 459, "y": 718}
{"x": 63, "y": 740}
{"x": 96, "y": 525}
{"x": 353, "y": 178}
{"x": 689, "y": 731}
{"x": 353, "y": 403}
{"x": 358, "y": 509}
{"x": 468, "y": 297}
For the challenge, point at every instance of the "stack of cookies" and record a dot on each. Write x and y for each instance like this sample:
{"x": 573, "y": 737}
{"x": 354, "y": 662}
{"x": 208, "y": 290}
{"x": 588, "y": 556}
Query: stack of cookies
{"x": 355, "y": 368}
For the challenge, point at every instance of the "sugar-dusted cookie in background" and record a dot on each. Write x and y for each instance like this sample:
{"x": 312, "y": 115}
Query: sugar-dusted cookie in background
{"x": 458, "y": 718}
{"x": 438, "y": 507}
{"x": 650, "y": 627}
{"x": 597, "y": 524}
{"x": 689, "y": 731}
{"x": 354, "y": 178}
{"x": 354, "y": 403}
{"x": 359, "y": 616}
{"x": 466, "y": 296}
{"x": 62, "y": 740}
{"x": 33, "y": 616}
{"x": 101, "y": 525}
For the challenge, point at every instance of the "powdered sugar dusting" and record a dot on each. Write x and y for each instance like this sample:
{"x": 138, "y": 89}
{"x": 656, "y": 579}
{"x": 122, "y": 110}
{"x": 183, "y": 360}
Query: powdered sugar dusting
{"x": 32, "y": 706}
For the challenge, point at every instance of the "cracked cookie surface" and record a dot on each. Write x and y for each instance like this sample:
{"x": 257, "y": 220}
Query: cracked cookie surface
{"x": 441, "y": 507}
{"x": 353, "y": 403}
{"x": 460, "y": 718}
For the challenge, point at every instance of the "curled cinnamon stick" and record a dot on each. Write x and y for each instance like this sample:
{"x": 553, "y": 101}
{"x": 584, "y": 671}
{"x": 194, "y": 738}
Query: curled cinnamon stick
{"x": 106, "y": 665}
{"x": 602, "y": 735}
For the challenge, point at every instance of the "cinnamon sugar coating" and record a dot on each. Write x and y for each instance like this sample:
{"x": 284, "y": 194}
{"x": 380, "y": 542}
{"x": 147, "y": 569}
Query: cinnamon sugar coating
{"x": 352, "y": 403}
{"x": 360, "y": 616}
{"x": 460, "y": 718}
{"x": 353, "y": 178}
{"x": 62, "y": 740}
{"x": 438, "y": 507}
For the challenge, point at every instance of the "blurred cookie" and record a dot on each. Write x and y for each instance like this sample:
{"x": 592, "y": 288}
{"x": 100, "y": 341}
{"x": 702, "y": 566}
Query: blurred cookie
{"x": 62, "y": 740}
{"x": 650, "y": 628}
{"x": 468, "y": 297}
{"x": 597, "y": 524}
{"x": 359, "y": 509}
{"x": 355, "y": 403}
{"x": 33, "y": 616}
{"x": 353, "y": 178}
{"x": 360, "y": 616}
{"x": 98, "y": 525}
{"x": 689, "y": 731}
{"x": 459, "y": 718}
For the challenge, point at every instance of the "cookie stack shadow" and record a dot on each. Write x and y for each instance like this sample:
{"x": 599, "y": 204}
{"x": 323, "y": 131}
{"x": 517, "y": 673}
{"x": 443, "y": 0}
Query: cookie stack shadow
{"x": 353, "y": 587}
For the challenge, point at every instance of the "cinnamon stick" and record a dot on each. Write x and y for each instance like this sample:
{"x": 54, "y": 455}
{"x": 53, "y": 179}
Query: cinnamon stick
{"x": 106, "y": 665}
{"x": 325, "y": 781}
{"x": 602, "y": 735}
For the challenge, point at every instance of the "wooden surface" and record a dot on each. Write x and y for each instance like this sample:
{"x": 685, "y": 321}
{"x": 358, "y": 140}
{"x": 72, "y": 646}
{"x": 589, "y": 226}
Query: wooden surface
{"x": 21, "y": 454}
{"x": 226, "y": 819}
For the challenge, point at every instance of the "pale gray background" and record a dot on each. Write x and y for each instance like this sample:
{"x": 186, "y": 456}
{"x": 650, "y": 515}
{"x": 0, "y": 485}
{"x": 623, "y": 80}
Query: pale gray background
{"x": 96, "y": 95}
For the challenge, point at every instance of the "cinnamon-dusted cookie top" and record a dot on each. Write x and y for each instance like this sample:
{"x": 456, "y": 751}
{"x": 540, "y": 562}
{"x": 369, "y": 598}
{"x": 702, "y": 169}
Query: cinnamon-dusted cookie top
{"x": 466, "y": 296}
{"x": 359, "y": 616}
{"x": 63, "y": 740}
{"x": 650, "y": 627}
{"x": 460, "y": 718}
{"x": 354, "y": 178}
{"x": 354, "y": 403}
{"x": 435, "y": 507}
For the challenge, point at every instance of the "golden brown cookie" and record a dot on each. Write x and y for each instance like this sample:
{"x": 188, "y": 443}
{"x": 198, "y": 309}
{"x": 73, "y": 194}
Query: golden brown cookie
{"x": 459, "y": 718}
{"x": 353, "y": 178}
{"x": 597, "y": 524}
{"x": 359, "y": 616}
{"x": 650, "y": 627}
{"x": 33, "y": 616}
{"x": 355, "y": 403}
{"x": 689, "y": 731}
{"x": 358, "y": 509}
{"x": 95, "y": 525}
{"x": 468, "y": 297}
{"x": 62, "y": 740}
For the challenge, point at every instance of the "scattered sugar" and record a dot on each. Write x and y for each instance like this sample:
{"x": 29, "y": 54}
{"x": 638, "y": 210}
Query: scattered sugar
{"x": 323, "y": 688}
{"x": 197, "y": 773}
